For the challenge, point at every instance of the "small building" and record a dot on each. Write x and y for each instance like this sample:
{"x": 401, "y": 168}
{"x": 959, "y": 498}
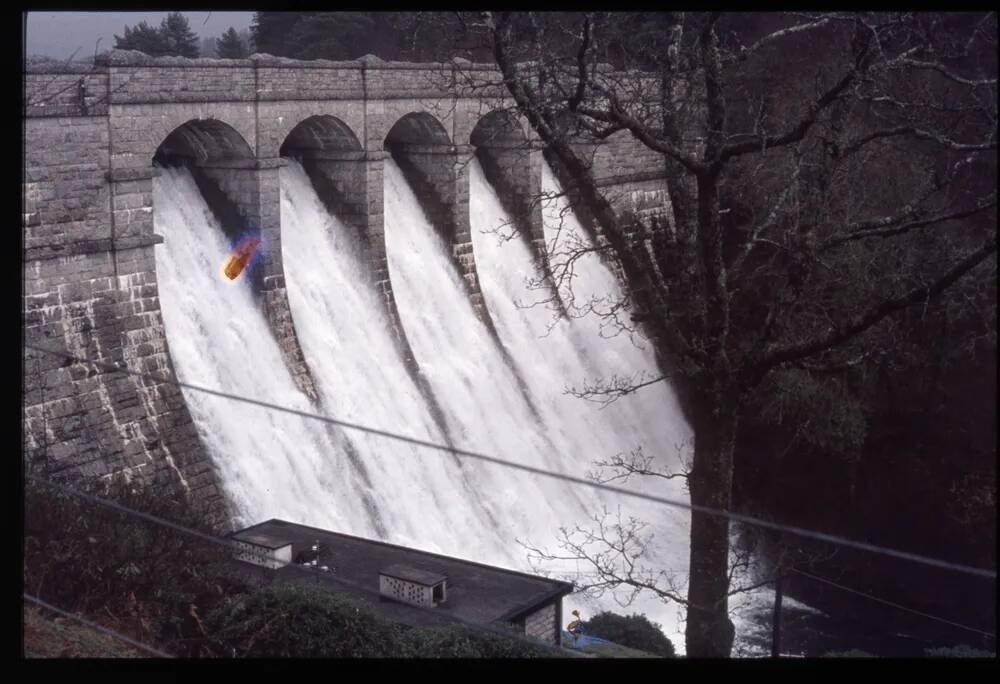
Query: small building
{"x": 263, "y": 550}
{"x": 407, "y": 585}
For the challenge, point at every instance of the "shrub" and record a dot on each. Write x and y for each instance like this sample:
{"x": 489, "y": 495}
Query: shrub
{"x": 466, "y": 642}
{"x": 634, "y": 631}
{"x": 305, "y": 621}
{"x": 84, "y": 557}
{"x": 300, "y": 621}
{"x": 961, "y": 651}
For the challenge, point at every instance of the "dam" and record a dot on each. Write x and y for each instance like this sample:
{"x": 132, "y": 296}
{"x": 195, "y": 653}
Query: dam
{"x": 400, "y": 208}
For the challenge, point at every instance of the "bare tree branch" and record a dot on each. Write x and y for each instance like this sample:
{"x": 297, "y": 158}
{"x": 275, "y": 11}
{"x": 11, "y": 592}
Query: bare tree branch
{"x": 900, "y": 229}
{"x": 746, "y": 52}
{"x": 875, "y": 314}
{"x": 940, "y": 68}
{"x": 623, "y": 467}
{"x": 921, "y": 134}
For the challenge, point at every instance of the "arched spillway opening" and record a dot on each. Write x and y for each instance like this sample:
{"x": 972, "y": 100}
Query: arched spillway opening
{"x": 342, "y": 303}
{"x": 345, "y": 240}
{"x": 646, "y": 428}
{"x": 512, "y": 165}
{"x": 505, "y": 155}
{"x": 209, "y": 193}
{"x": 481, "y": 395}
{"x": 421, "y": 148}
{"x": 437, "y": 173}
{"x": 220, "y": 162}
{"x": 330, "y": 154}
{"x": 242, "y": 194}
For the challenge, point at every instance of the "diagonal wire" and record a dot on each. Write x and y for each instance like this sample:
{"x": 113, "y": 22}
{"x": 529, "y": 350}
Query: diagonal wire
{"x": 894, "y": 605}
{"x": 99, "y": 628}
{"x": 738, "y": 517}
{"x": 228, "y": 543}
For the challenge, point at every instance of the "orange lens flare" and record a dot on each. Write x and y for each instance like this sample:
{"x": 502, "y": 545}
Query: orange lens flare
{"x": 237, "y": 262}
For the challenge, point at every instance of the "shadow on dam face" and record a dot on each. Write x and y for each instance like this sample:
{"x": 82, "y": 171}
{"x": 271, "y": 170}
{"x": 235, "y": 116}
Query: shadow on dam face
{"x": 220, "y": 161}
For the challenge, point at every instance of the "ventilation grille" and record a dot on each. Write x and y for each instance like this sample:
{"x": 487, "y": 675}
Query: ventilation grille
{"x": 407, "y": 592}
{"x": 416, "y": 587}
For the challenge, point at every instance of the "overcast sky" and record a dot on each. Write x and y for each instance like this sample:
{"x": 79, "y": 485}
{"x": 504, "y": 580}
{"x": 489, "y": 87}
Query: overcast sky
{"x": 58, "y": 34}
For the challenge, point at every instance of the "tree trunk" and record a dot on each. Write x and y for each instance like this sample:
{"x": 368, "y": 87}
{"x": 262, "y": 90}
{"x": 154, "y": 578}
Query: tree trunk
{"x": 710, "y": 632}
{"x": 776, "y": 619}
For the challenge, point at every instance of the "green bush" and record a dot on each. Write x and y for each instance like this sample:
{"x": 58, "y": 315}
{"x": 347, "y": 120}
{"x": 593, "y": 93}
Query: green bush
{"x": 961, "y": 651}
{"x": 81, "y": 556}
{"x": 300, "y": 621}
{"x": 634, "y": 631}
{"x": 305, "y": 621}
{"x": 466, "y": 642}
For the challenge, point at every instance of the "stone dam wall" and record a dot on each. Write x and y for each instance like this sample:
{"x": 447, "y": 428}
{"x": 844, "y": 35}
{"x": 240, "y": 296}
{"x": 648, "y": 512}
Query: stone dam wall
{"x": 91, "y": 136}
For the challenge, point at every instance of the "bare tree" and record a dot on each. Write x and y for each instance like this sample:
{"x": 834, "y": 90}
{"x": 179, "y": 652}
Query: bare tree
{"x": 826, "y": 171}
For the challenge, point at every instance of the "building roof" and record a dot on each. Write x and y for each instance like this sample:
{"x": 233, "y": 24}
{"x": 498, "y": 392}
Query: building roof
{"x": 268, "y": 541}
{"x": 476, "y": 592}
{"x": 405, "y": 572}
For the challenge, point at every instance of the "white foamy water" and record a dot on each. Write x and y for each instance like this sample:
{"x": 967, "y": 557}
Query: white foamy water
{"x": 570, "y": 351}
{"x": 483, "y": 404}
{"x": 276, "y": 465}
{"x": 270, "y": 464}
{"x": 361, "y": 377}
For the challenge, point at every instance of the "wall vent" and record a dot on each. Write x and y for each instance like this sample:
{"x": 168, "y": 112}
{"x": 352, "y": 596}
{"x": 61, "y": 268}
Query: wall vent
{"x": 413, "y": 586}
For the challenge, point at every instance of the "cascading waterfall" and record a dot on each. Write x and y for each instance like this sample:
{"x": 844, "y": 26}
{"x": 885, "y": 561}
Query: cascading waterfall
{"x": 361, "y": 376}
{"x": 569, "y": 351}
{"x": 276, "y": 465}
{"x": 271, "y": 464}
{"x": 559, "y": 352}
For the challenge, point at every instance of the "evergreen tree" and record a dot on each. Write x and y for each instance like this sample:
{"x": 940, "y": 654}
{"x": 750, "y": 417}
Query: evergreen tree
{"x": 230, "y": 46}
{"x": 179, "y": 37}
{"x": 271, "y": 32}
{"x": 207, "y": 47}
{"x": 333, "y": 35}
{"x": 409, "y": 36}
{"x": 143, "y": 38}
{"x": 247, "y": 39}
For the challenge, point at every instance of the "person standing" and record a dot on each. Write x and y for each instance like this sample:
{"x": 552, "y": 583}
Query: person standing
{"x": 576, "y": 626}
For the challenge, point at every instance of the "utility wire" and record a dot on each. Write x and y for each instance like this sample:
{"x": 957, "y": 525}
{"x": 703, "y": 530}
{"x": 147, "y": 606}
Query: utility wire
{"x": 228, "y": 544}
{"x": 894, "y": 605}
{"x": 99, "y": 628}
{"x": 738, "y": 517}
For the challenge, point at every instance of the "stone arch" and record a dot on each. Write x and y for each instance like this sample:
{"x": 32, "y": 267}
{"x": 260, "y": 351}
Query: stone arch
{"x": 203, "y": 141}
{"x": 136, "y": 144}
{"x": 417, "y": 128}
{"x": 243, "y": 193}
{"x": 319, "y": 133}
{"x": 336, "y": 163}
{"x": 420, "y": 145}
{"x": 220, "y": 160}
{"x": 498, "y": 128}
{"x": 512, "y": 164}
{"x": 438, "y": 172}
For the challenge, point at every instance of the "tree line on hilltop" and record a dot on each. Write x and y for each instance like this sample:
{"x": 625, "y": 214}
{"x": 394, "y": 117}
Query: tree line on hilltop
{"x": 174, "y": 37}
{"x": 406, "y": 36}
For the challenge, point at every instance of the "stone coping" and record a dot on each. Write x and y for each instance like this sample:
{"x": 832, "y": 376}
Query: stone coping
{"x": 53, "y": 66}
{"x": 134, "y": 58}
